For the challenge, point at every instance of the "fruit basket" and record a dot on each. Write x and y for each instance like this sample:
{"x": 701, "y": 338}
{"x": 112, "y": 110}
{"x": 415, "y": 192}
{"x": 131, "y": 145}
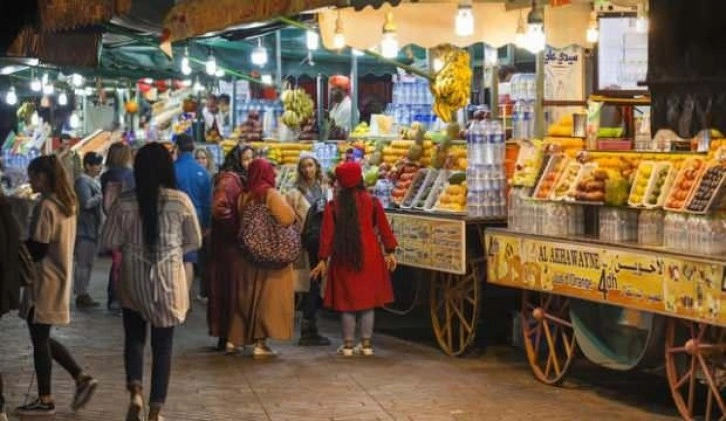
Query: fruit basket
{"x": 565, "y": 187}
{"x": 418, "y": 182}
{"x": 424, "y": 191}
{"x": 709, "y": 191}
{"x": 590, "y": 184}
{"x": 551, "y": 175}
{"x": 660, "y": 185}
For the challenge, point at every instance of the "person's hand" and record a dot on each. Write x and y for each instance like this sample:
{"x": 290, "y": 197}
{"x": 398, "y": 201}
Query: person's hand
{"x": 391, "y": 262}
{"x": 320, "y": 271}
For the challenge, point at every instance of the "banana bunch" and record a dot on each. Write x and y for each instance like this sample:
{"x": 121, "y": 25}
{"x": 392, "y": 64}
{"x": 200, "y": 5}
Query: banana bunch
{"x": 451, "y": 86}
{"x": 298, "y": 107}
{"x": 25, "y": 112}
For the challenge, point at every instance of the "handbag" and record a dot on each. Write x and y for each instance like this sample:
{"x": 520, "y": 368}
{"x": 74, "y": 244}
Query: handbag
{"x": 263, "y": 240}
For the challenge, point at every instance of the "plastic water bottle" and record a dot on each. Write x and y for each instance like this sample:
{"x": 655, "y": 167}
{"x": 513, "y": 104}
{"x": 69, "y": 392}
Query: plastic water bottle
{"x": 527, "y": 121}
{"x": 495, "y": 142}
{"x": 517, "y": 114}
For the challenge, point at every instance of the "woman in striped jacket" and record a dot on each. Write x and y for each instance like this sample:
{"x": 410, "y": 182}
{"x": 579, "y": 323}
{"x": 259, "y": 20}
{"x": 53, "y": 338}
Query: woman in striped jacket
{"x": 153, "y": 226}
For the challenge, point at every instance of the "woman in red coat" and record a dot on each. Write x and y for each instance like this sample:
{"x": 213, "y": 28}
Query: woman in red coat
{"x": 358, "y": 279}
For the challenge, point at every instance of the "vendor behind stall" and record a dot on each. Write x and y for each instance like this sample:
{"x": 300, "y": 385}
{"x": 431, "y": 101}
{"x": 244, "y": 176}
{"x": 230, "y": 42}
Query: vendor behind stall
{"x": 341, "y": 105}
{"x": 213, "y": 119}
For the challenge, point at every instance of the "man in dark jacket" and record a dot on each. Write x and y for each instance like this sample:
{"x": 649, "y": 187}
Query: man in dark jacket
{"x": 90, "y": 200}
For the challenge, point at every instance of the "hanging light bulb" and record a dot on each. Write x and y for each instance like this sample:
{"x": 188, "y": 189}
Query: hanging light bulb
{"x": 312, "y": 40}
{"x": 36, "y": 85}
{"x": 536, "y": 40}
{"x": 389, "y": 41}
{"x": 48, "y": 89}
{"x": 77, "y": 80}
{"x": 62, "y": 99}
{"x": 211, "y": 65}
{"x": 520, "y": 37}
{"x": 186, "y": 66}
{"x": 266, "y": 79}
{"x": 464, "y": 22}
{"x": 593, "y": 34}
{"x": 11, "y": 98}
{"x": 259, "y": 54}
{"x": 641, "y": 22}
{"x": 74, "y": 121}
{"x": 339, "y": 36}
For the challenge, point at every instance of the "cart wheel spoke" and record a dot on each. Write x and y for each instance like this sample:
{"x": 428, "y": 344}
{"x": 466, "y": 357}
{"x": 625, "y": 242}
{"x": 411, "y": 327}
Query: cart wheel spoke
{"x": 548, "y": 336}
{"x": 454, "y": 307}
{"x": 695, "y": 355}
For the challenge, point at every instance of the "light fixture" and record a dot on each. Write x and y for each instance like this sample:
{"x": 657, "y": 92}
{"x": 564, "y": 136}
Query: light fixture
{"x": 220, "y": 72}
{"x": 593, "y": 34}
{"x": 389, "y": 41}
{"x": 35, "y": 84}
{"x": 259, "y": 54}
{"x": 312, "y": 40}
{"x": 536, "y": 40}
{"x": 641, "y": 22}
{"x": 520, "y": 37}
{"x": 339, "y": 36}
{"x": 74, "y": 121}
{"x": 438, "y": 64}
{"x": 77, "y": 80}
{"x": 62, "y": 99}
{"x": 266, "y": 79}
{"x": 11, "y": 98}
{"x": 186, "y": 66}
{"x": 211, "y": 64}
{"x": 464, "y": 22}
{"x": 48, "y": 89}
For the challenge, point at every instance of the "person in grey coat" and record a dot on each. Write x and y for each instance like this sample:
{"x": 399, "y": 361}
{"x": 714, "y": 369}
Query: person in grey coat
{"x": 90, "y": 201}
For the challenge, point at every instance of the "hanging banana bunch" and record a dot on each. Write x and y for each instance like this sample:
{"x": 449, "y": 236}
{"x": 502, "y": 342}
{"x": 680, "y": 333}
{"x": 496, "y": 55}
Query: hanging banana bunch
{"x": 451, "y": 86}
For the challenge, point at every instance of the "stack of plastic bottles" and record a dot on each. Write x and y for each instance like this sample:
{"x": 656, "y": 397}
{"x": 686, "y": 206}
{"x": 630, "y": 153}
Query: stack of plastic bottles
{"x": 486, "y": 180}
{"x": 411, "y": 101}
{"x": 523, "y": 88}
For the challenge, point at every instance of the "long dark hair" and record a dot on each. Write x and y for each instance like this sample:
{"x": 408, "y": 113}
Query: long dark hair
{"x": 347, "y": 245}
{"x": 58, "y": 182}
{"x": 233, "y": 160}
{"x": 153, "y": 170}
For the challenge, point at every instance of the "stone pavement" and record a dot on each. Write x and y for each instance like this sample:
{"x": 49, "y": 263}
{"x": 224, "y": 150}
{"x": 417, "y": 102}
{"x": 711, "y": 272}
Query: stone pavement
{"x": 404, "y": 381}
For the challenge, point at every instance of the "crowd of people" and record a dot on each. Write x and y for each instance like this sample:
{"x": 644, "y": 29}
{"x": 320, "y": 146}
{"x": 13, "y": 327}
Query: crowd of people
{"x": 171, "y": 219}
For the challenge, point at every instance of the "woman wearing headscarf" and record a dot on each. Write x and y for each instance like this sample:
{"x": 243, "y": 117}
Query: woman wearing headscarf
{"x": 225, "y": 265}
{"x": 266, "y": 296}
{"x": 354, "y": 226}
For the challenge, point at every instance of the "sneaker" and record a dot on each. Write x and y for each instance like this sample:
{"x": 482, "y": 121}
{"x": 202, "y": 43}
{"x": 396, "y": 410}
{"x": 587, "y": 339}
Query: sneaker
{"x": 36, "y": 407}
{"x": 263, "y": 351}
{"x": 230, "y": 349}
{"x": 84, "y": 392}
{"x": 366, "y": 351}
{"x": 85, "y": 301}
{"x": 136, "y": 408}
{"x": 345, "y": 351}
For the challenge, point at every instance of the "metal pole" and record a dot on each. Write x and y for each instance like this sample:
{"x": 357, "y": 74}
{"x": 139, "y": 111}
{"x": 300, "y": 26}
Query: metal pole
{"x": 353, "y": 92}
{"x": 494, "y": 93}
{"x": 233, "y": 103}
{"x": 319, "y": 93}
{"x": 539, "y": 128}
{"x": 278, "y": 59}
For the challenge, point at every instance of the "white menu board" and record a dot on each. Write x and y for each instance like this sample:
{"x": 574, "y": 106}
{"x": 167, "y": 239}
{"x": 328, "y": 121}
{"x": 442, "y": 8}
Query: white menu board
{"x": 622, "y": 55}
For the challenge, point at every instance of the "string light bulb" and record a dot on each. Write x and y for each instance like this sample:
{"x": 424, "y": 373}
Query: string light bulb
{"x": 312, "y": 40}
{"x": 536, "y": 39}
{"x": 259, "y": 54}
{"x": 339, "y": 36}
{"x": 389, "y": 41}
{"x": 77, "y": 80}
{"x": 186, "y": 66}
{"x": 211, "y": 64}
{"x": 74, "y": 121}
{"x": 464, "y": 22}
{"x": 11, "y": 98}
{"x": 62, "y": 99}
{"x": 593, "y": 33}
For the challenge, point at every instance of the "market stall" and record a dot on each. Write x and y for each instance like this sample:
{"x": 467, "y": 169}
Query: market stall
{"x": 621, "y": 256}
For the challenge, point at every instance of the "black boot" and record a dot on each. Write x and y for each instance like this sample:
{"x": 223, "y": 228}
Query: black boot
{"x": 309, "y": 335}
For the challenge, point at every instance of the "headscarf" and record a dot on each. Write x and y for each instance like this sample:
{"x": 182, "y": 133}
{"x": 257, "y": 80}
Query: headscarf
{"x": 260, "y": 178}
{"x": 349, "y": 175}
{"x": 233, "y": 161}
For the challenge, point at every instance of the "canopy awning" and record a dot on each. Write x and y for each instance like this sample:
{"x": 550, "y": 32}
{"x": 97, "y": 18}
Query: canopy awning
{"x": 190, "y": 18}
{"x": 431, "y": 24}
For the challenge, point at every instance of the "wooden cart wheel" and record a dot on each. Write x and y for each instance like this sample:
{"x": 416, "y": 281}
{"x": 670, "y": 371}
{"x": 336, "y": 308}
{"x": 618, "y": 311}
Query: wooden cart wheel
{"x": 696, "y": 369}
{"x": 548, "y": 336}
{"x": 454, "y": 305}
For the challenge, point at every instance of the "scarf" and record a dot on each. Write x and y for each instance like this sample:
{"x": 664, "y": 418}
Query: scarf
{"x": 260, "y": 178}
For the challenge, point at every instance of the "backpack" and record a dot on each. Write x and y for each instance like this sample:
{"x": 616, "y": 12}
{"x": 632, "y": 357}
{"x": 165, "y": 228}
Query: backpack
{"x": 313, "y": 225}
{"x": 263, "y": 240}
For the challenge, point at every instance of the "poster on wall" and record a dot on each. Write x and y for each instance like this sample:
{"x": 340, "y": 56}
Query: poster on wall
{"x": 564, "y": 79}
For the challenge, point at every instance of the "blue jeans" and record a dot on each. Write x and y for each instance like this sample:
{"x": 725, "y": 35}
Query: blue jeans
{"x": 161, "y": 349}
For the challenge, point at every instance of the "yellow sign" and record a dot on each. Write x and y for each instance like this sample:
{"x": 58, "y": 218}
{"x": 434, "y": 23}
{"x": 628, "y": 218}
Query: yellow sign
{"x": 636, "y": 279}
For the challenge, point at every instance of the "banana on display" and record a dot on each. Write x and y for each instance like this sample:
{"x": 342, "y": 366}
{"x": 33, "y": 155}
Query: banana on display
{"x": 451, "y": 86}
{"x": 298, "y": 107}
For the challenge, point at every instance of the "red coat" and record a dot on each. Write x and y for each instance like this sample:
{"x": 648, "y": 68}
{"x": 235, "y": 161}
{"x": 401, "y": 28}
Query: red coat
{"x": 348, "y": 290}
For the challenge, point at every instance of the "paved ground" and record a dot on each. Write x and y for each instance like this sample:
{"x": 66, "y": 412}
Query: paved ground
{"x": 405, "y": 381}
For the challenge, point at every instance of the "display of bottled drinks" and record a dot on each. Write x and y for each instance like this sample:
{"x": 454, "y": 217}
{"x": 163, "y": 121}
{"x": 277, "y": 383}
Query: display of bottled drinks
{"x": 486, "y": 179}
